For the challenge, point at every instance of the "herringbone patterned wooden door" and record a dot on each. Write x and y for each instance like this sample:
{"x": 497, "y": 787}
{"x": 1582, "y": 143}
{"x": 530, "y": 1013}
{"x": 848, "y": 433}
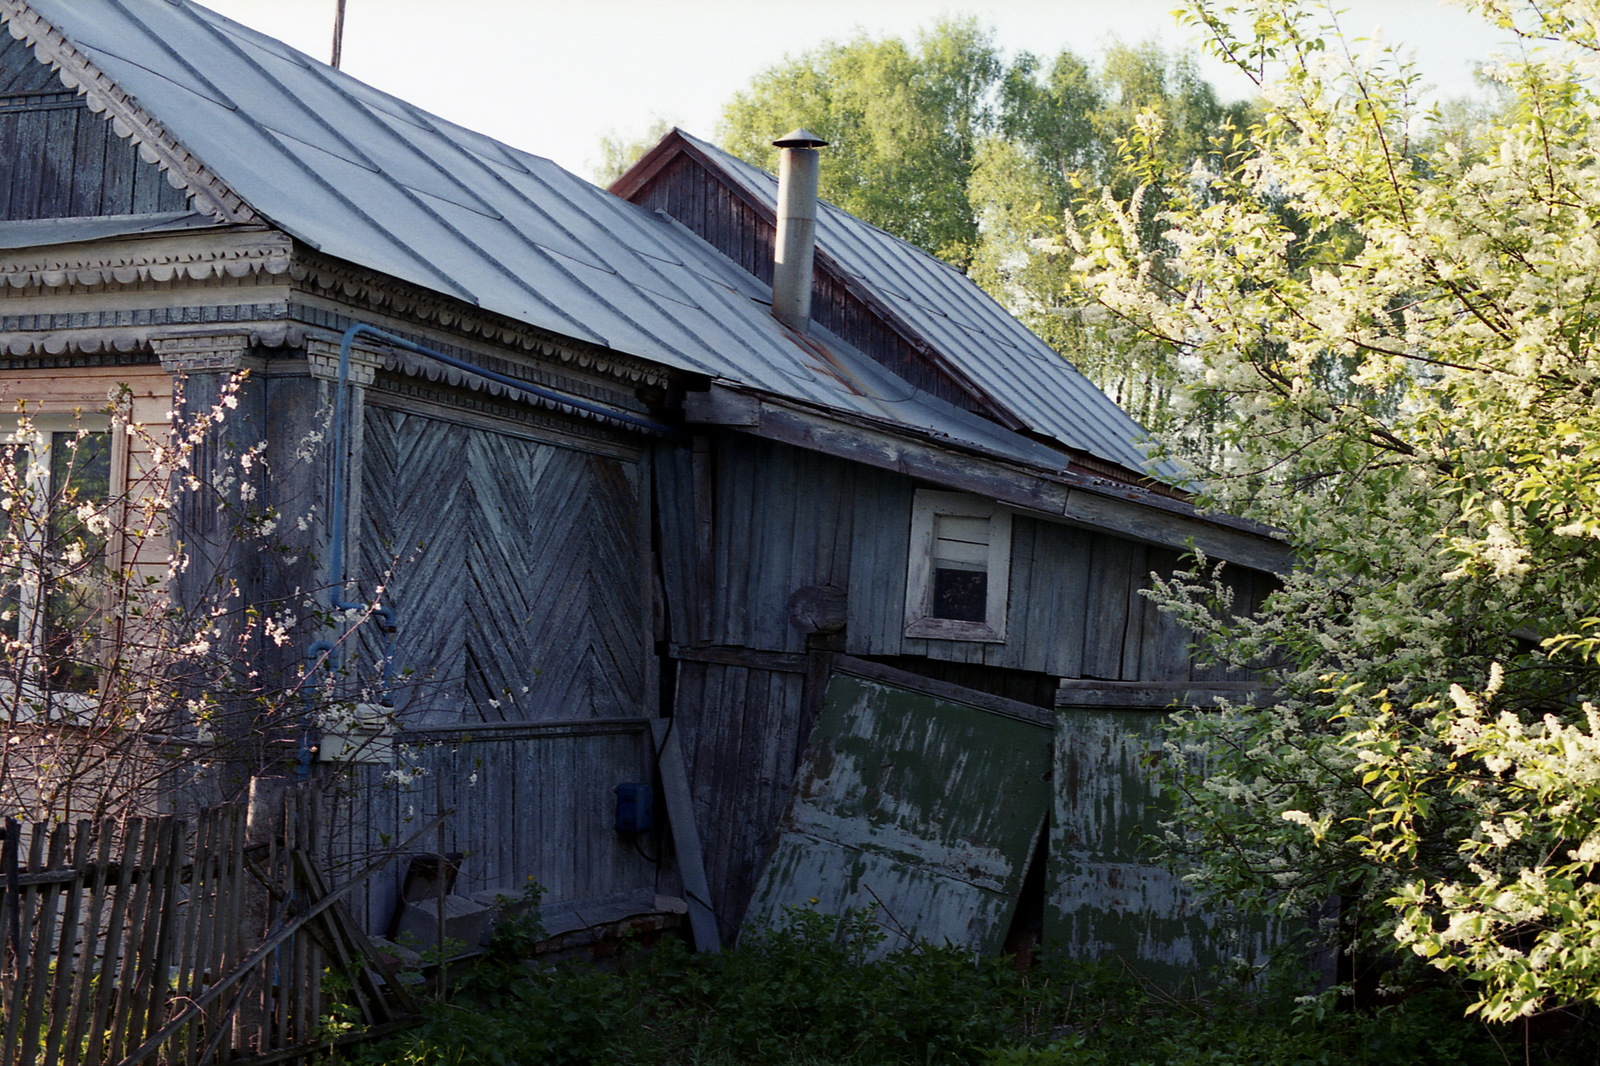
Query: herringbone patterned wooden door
{"x": 514, "y": 566}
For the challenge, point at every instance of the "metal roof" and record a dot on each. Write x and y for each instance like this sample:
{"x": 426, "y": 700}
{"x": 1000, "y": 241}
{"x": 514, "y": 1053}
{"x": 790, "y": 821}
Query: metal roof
{"x": 364, "y": 176}
{"x": 985, "y": 344}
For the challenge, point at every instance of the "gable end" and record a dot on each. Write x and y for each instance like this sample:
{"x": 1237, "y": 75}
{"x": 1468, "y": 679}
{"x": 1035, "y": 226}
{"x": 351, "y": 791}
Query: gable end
{"x": 67, "y": 161}
{"x": 681, "y": 186}
{"x": 124, "y": 119}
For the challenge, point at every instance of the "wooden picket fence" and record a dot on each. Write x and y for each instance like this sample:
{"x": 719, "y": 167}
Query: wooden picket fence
{"x": 165, "y": 940}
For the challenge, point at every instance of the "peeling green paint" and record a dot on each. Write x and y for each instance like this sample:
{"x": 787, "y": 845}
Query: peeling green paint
{"x": 920, "y": 806}
{"x": 1109, "y": 896}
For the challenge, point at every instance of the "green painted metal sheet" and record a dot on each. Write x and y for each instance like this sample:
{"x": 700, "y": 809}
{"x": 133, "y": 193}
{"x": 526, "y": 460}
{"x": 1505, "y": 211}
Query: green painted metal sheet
{"x": 919, "y": 806}
{"x": 1109, "y": 897}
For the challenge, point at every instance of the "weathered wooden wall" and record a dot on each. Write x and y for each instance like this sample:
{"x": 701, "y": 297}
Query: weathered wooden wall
{"x": 531, "y": 800}
{"x": 517, "y": 570}
{"x": 743, "y": 722}
{"x": 62, "y": 160}
{"x": 761, "y": 522}
{"x": 754, "y": 535}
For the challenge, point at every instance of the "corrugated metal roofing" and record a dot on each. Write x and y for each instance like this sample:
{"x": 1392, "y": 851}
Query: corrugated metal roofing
{"x": 1012, "y": 366}
{"x": 365, "y": 177}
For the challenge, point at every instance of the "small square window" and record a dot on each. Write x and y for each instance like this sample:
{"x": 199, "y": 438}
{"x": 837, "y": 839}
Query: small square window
{"x": 957, "y": 580}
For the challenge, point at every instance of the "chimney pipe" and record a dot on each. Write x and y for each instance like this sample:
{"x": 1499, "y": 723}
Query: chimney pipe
{"x": 797, "y": 228}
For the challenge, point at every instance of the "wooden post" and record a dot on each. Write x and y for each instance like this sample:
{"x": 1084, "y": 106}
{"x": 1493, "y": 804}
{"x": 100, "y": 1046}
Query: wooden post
{"x": 264, "y": 826}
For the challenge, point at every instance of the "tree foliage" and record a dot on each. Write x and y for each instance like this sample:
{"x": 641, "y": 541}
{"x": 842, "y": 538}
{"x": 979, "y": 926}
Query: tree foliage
{"x": 137, "y": 674}
{"x": 1405, "y": 325}
{"x": 903, "y": 122}
{"x": 985, "y": 160}
{"x": 618, "y": 152}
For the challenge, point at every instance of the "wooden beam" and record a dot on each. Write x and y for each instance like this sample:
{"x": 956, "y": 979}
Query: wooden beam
{"x": 750, "y": 658}
{"x": 477, "y": 732}
{"x": 685, "y": 836}
{"x": 1153, "y": 695}
{"x": 944, "y": 690}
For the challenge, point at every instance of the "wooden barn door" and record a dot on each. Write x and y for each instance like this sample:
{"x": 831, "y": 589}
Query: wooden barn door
{"x": 515, "y": 566}
{"x": 918, "y": 800}
{"x": 1110, "y": 896}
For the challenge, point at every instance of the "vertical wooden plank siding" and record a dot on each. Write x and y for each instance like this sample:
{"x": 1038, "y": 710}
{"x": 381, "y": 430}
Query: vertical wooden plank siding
{"x": 785, "y": 519}
{"x": 677, "y": 548}
{"x": 1110, "y": 897}
{"x": 742, "y": 730}
{"x": 67, "y": 161}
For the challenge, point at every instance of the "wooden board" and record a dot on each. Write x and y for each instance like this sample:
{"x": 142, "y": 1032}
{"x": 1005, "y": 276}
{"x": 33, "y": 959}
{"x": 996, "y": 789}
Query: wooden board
{"x": 1109, "y": 895}
{"x": 921, "y": 808}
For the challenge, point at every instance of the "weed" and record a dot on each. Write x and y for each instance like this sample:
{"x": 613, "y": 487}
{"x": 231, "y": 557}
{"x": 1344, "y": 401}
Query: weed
{"x": 815, "y": 991}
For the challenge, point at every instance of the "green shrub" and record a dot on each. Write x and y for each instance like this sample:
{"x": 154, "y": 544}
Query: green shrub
{"x": 815, "y": 992}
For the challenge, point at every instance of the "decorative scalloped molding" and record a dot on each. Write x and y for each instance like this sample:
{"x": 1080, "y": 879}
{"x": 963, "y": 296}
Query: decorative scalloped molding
{"x": 154, "y": 258}
{"x": 130, "y": 121}
{"x": 110, "y": 342}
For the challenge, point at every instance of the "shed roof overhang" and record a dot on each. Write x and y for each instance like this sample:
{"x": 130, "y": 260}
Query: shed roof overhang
{"x": 1056, "y": 495}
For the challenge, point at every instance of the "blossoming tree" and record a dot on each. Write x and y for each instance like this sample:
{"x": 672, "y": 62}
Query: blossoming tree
{"x": 1405, "y": 327}
{"x": 140, "y": 671}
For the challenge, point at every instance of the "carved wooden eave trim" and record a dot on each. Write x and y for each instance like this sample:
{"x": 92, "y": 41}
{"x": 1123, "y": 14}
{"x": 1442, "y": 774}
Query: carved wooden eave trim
{"x": 123, "y": 341}
{"x": 322, "y": 276}
{"x": 130, "y": 121}
{"x": 197, "y": 256}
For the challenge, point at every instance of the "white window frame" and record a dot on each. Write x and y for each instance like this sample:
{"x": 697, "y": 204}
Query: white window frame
{"x": 31, "y": 607}
{"x": 920, "y": 620}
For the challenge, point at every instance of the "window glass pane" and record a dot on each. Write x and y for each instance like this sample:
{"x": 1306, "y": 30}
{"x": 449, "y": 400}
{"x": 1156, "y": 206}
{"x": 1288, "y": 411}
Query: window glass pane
{"x": 960, "y": 568}
{"x": 80, "y": 483}
{"x": 960, "y": 595}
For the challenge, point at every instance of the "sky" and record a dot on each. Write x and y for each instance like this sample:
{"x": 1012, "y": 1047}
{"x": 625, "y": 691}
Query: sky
{"x": 553, "y": 77}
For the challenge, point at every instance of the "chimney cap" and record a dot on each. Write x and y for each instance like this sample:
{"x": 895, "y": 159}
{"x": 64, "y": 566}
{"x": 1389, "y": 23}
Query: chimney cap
{"x": 801, "y": 138}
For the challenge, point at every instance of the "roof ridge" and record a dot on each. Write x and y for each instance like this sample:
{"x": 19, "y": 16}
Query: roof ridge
{"x": 128, "y": 119}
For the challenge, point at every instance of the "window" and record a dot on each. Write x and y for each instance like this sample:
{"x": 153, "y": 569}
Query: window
{"x": 55, "y": 476}
{"x": 957, "y": 581}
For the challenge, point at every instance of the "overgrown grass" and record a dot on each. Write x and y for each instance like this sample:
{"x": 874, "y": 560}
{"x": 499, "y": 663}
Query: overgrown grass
{"x": 810, "y": 994}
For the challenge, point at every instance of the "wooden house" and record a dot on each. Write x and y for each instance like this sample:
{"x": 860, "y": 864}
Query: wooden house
{"x": 854, "y": 587}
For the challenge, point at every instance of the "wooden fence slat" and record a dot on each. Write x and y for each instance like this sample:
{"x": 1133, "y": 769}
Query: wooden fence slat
{"x": 127, "y": 1001}
{"x": 90, "y": 946}
{"x": 27, "y": 907}
{"x": 304, "y": 828}
{"x": 67, "y": 942}
{"x": 233, "y": 906}
{"x": 207, "y": 913}
{"x": 157, "y": 961}
{"x": 185, "y": 953}
{"x": 106, "y": 989}
{"x": 12, "y": 957}
{"x": 10, "y": 945}
{"x": 275, "y": 981}
{"x": 39, "y": 990}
